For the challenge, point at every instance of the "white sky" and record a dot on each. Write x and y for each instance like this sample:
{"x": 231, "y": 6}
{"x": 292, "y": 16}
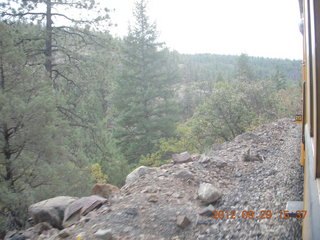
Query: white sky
{"x": 267, "y": 28}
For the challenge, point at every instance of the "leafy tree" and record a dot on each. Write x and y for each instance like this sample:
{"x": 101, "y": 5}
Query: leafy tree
{"x": 144, "y": 96}
{"x": 224, "y": 115}
{"x": 232, "y": 109}
{"x": 288, "y": 102}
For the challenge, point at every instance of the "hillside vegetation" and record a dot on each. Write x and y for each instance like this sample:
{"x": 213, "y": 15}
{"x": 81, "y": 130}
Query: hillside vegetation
{"x": 78, "y": 106}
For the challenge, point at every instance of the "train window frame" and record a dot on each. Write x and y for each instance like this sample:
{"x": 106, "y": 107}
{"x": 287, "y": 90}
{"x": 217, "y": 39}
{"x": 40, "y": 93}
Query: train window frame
{"x": 309, "y": 58}
{"x": 316, "y": 84}
{"x": 312, "y": 55}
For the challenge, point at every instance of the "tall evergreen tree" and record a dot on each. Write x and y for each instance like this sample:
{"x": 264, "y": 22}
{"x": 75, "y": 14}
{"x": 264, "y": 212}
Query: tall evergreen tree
{"x": 33, "y": 158}
{"x": 143, "y": 97}
{"x": 279, "y": 79}
{"x": 67, "y": 45}
{"x": 50, "y": 13}
{"x": 244, "y": 73}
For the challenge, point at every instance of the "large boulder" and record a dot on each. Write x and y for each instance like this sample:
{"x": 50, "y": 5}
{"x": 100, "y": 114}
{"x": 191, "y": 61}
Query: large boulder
{"x": 137, "y": 173}
{"x": 81, "y": 207}
{"x": 208, "y": 193}
{"x": 50, "y": 210}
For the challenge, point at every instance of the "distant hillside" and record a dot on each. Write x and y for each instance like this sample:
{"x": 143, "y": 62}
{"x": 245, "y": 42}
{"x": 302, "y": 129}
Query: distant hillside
{"x": 204, "y": 67}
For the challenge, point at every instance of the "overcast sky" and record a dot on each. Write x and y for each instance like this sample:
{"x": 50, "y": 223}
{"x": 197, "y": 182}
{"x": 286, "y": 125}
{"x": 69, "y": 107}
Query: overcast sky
{"x": 267, "y": 28}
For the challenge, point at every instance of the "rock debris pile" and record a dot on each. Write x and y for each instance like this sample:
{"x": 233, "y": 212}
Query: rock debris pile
{"x": 256, "y": 173}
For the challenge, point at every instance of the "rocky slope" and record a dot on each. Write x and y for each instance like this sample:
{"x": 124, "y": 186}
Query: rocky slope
{"x": 258, "y": 171}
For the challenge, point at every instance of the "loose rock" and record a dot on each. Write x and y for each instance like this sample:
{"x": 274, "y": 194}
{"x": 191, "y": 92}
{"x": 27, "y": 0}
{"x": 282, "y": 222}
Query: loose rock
{"x": 183, "y": 221}
{"x": 181, "y": 158}
{"x": 137, "y": 173}
{"x": 207, "y": 193}
{"x": 246, "y": 186}
{"x": 64, "y": 233}
{"x": 207, "y": 211}
{"x": 153, "y": 198}
{"x": 81, "y": 207}
{"x": 185, "y": 175}
{"x": 105, "y": 234}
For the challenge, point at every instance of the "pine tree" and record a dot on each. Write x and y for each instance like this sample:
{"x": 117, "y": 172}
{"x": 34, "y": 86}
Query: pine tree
{"x": 279, "y": 79}
{"x": 35, "y": 156}
{"x": 244, "y": 73}
{"x": 53, "y": 51}
{"x": 143, "y": 97}
{"x": 78, "y": 63}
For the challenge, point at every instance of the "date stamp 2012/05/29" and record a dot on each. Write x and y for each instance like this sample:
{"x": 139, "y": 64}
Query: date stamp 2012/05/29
{"x": 263, "y": 214}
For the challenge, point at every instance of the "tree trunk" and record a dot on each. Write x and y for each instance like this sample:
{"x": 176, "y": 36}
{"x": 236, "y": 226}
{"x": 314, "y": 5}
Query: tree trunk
{"x": 8, "y": 177}
{"x": 48, "y": 49}
{"x": 1, "y": 75}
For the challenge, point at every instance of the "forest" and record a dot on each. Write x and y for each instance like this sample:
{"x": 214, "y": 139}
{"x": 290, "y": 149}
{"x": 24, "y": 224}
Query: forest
{"x": 79, "y": 106}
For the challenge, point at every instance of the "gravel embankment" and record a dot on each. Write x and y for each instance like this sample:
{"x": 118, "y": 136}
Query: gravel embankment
{"x": 148, "y": 208}
{"x": 262, "y": 186}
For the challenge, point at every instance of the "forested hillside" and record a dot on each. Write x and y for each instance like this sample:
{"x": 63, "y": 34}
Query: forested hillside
{"x": 199, "y": 67}
{"x": 78, "y": 106}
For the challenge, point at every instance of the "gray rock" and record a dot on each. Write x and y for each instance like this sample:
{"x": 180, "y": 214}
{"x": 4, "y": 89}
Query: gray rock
{"x": 249, "y": 157}
{"x": 149, "y": 189}
{"x": 18, "y": 237}
{"x": 137, "y": 173}
{"x": 183, "y": 221}
{"x": 207, "y": 193}
{"x": 153, "y": 198}
{"x": 81, "y": 207}
{"x": 64, "y": 233}
{"x": 184, "y": 175}
{"x": 105, "y": 234}
{"x": 131, "y": 212}
{"x": 196, "y": 156}
{"x": 41, "y": 227}
{"x": 219, "y": 162}
{"x": 204, "y": 159}
{"x": 49, "y": 235}
{"x": 50, "y": 210}
{"x": 10, "y": 234}
{"x": 177, "y": 195}
{"x": 207, "y": 211}
{"x": 181, "y": 158}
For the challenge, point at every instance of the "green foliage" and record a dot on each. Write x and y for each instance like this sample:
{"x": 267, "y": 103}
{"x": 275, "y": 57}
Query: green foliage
{"x": 234, "y": 108}
{"x": 279, "y": 79}
{"x": 244, "y": 72}
{"x": 223, "y": 116}
{"x": 114, "y": 106}
{"x": 185, "y": 140}
{"x": 143, "y": 98}
{"x": 33, "y": 155}
{"x": 288, "y": 102}
{"x": 202, "y": 67}
{"x": 163, "y": 155}
{"x": 54, "y": 136}
{"x": 97, "y": 174}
